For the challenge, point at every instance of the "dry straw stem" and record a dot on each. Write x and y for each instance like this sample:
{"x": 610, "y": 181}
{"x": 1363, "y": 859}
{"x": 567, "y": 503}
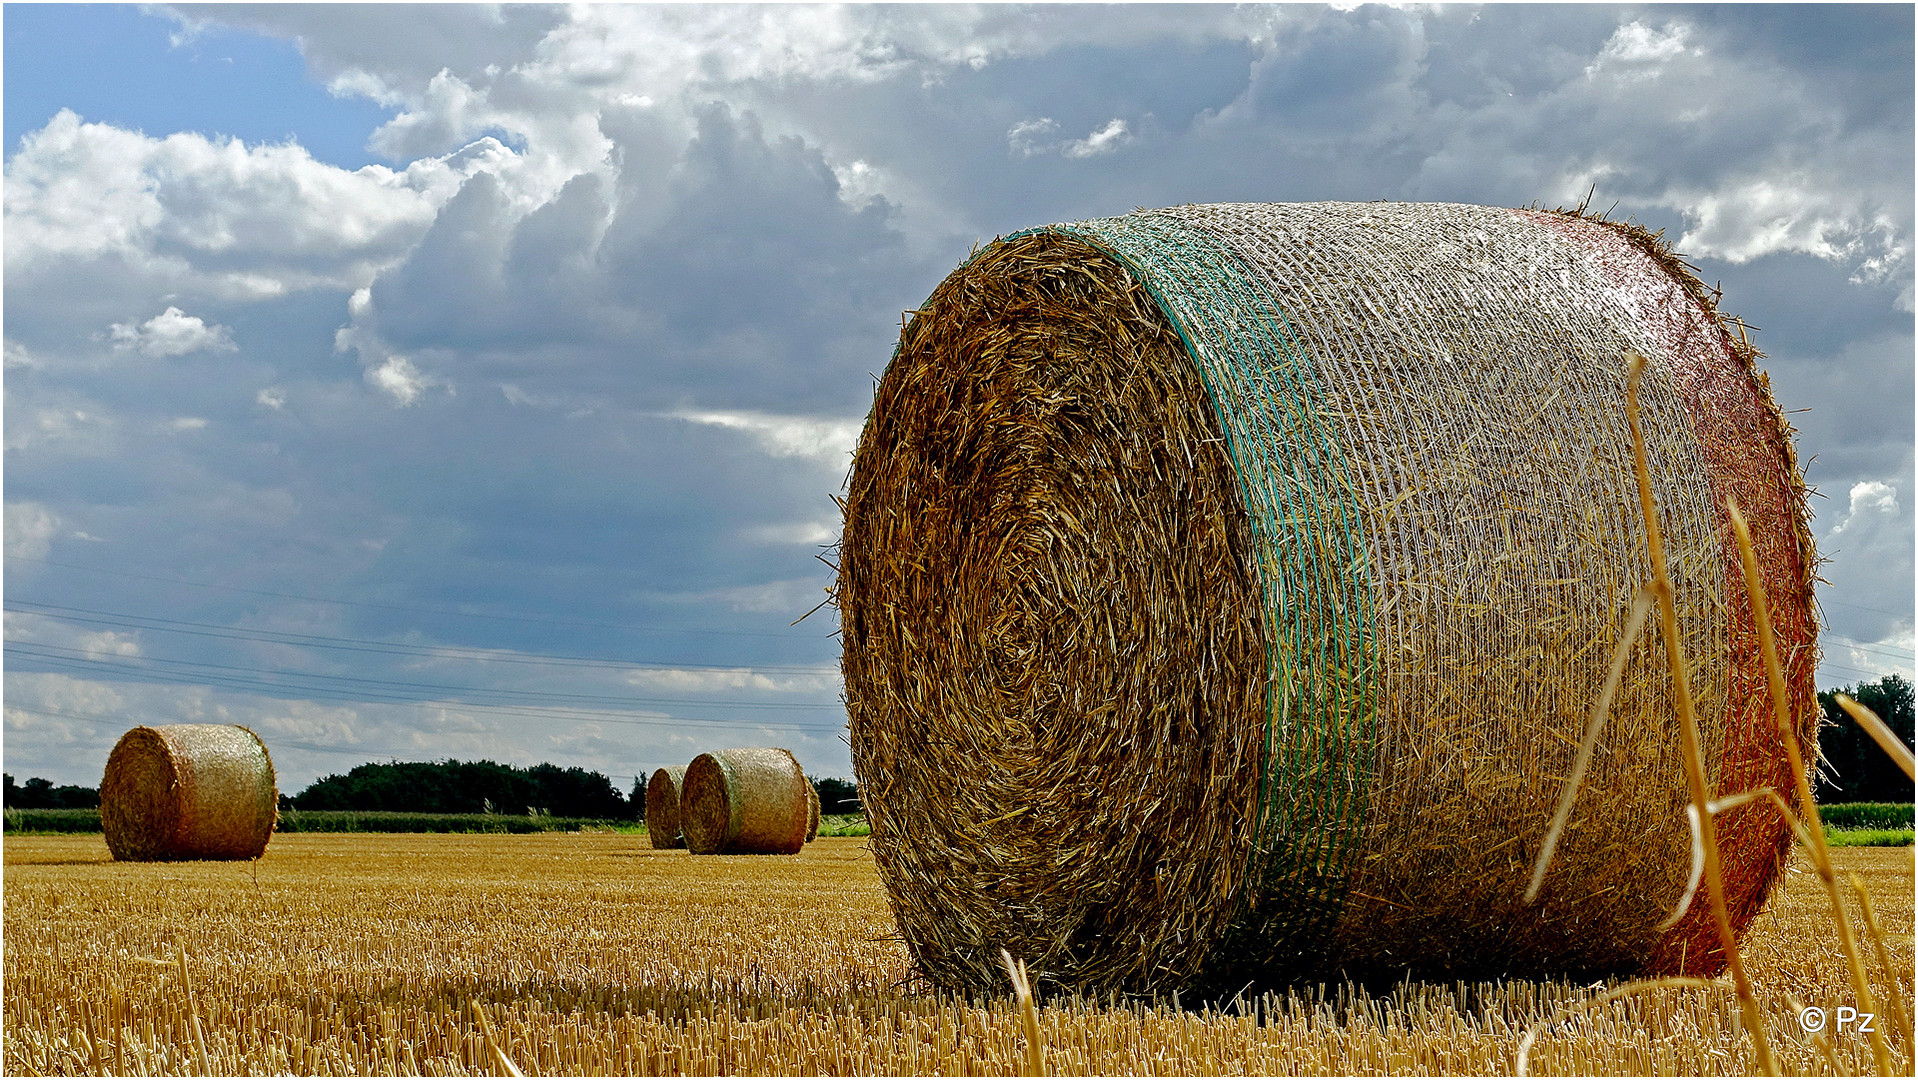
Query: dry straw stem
{"x": 1521, "y": 1064}
{"x": 1028, "y": 1012}
{"x": 1747, "y": 442}
{"x": 662, "y": 808}
{"x": 1694, "y": 756}
{"x": 1899, "y": 1017}
{"x": 1818, "y": 1039}
{"x": 1813, "y": 831}
{"x": 1879, "y": 731}
{"x": 193, "y": 1011}
{"x": 745, "y": 801}
{"x": 188, "y": 791}
{"x": 492, "y": 1045}
{"x": 1634, "y": 623}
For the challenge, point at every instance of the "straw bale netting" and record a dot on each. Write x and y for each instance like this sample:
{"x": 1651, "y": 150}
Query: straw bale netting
{"x": 1224, "y": 590}
{"x": 188, "y": 791}
{"x": 749, "y": 801}
{"x": 662, "y": 808}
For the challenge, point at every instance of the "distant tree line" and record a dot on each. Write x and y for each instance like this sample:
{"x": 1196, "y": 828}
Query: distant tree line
{"x": 473, "y": 787}
{"x": 1856, "y": 769}
{"x": 445, "y": 787}
{"x": 38, "y": 794}
{"x": 466, "y": 787}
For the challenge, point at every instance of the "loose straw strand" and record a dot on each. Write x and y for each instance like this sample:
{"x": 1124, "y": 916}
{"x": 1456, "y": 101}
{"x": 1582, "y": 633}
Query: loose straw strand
{"x": 1808, "y": 806}
{"x": 1899, "y": 1017}
{"x": 1021, "y": 986}
{"x": 1694, "y": 756}
{"x": 1880, "y": 733}
{"x": 1641, "y": 607}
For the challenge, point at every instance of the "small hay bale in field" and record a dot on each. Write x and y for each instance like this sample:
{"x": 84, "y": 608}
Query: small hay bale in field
{"x": 749, "y": 801}
{"x": 188, "y": 791}
{"x": 662, "y": 808}
{"x": 812, "y": 813}
{"x": 1224, "y": 590}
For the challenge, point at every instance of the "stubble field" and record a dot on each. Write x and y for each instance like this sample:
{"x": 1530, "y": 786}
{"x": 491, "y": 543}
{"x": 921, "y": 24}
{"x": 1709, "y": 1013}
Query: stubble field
{"x": 592, "y": 954}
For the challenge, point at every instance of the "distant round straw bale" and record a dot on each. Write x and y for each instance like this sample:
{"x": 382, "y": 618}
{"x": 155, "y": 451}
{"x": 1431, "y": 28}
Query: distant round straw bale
{"x": 1224, "y": 590}
{"x": 188, "y": 791}
{"x": 812, "y": 813}
{"x": 662, "y": 807}
{"x": 749, "y": 801}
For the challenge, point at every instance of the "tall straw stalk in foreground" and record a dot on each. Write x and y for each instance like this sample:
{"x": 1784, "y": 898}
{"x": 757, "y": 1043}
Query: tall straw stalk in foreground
{"x": 1809, "y": 828}
{"x": 1694, "y": 756}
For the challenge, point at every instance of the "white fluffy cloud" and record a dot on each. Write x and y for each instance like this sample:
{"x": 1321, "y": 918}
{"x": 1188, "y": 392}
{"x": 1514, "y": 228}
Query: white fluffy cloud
{"x": 1041, "y": 136}
{"x": 231, "y": 220}
{"x": 826, "y": 440}
{"x": 171, "y": 333}
{"x": 1638, "y": 51}
{"x": 30, "y": 530}
{"x": 1872, "y": 502}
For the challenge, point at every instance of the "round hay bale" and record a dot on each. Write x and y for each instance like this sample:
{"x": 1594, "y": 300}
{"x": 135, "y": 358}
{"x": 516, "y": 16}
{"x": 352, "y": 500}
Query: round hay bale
{"x": 1224, "y": 590}
{"x": 812, "y": 813}
{"x": 749, "y": 801}
{"x": 662, "y": 808}
{"x": 188, "y": 791}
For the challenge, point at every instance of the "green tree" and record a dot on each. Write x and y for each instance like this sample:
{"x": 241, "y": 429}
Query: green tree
{"x": 41, "y": 794}
{"x": 1855, "y": 769}
{"x": 466, "y": 787}
{"x": 837, "y": 796}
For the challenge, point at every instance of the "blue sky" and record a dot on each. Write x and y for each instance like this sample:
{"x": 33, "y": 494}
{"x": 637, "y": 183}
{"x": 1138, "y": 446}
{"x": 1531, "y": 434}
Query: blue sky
{"x": 485, "y": 398}
{"x": 121, "y": 65}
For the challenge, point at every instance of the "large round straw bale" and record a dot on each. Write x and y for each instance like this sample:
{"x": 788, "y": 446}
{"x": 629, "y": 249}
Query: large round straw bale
{"x": 1224, "y": 591}
{"x": 749, "y": 801}
{"x": 662, "y": 807}
{"x": 188, "y": 791}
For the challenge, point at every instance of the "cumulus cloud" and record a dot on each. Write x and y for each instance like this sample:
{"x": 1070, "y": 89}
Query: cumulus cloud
{"x": 31, "y": 528}
{"x": 385, "y": 370}
{"x": 1788, "y": 212}
{"x": 1871, "y": 500}
{"x": 397, "y": 378}
{"x": 1031, "y": 137}
{"x": 814, "y": 533}
{"x": 708, "y": 680}
{"x": 232, "y": 220}
{"x": 171, "y": 333}
{"x": 827, "y": 440}
{"x": 77, "y": 430}
{"x": 1638, "y": 51}
{"x": 1103, "y": 141}
{"x": 101, "y": 221}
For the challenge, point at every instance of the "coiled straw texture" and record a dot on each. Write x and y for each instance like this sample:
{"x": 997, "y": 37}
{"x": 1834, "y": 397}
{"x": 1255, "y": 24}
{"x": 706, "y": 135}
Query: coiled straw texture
{"x": 188, "y": 791}
{"x": 1223, "y": 590}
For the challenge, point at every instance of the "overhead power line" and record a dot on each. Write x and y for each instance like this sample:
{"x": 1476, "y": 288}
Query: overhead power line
{"x": 417, "y": 609}
{"x": 124, "y": 620}
{"x": 42, "y": 651}
{"x": 375, "y": 696}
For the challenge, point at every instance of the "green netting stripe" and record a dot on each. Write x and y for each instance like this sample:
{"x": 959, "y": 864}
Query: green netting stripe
{"x": 1314, "y": 576}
